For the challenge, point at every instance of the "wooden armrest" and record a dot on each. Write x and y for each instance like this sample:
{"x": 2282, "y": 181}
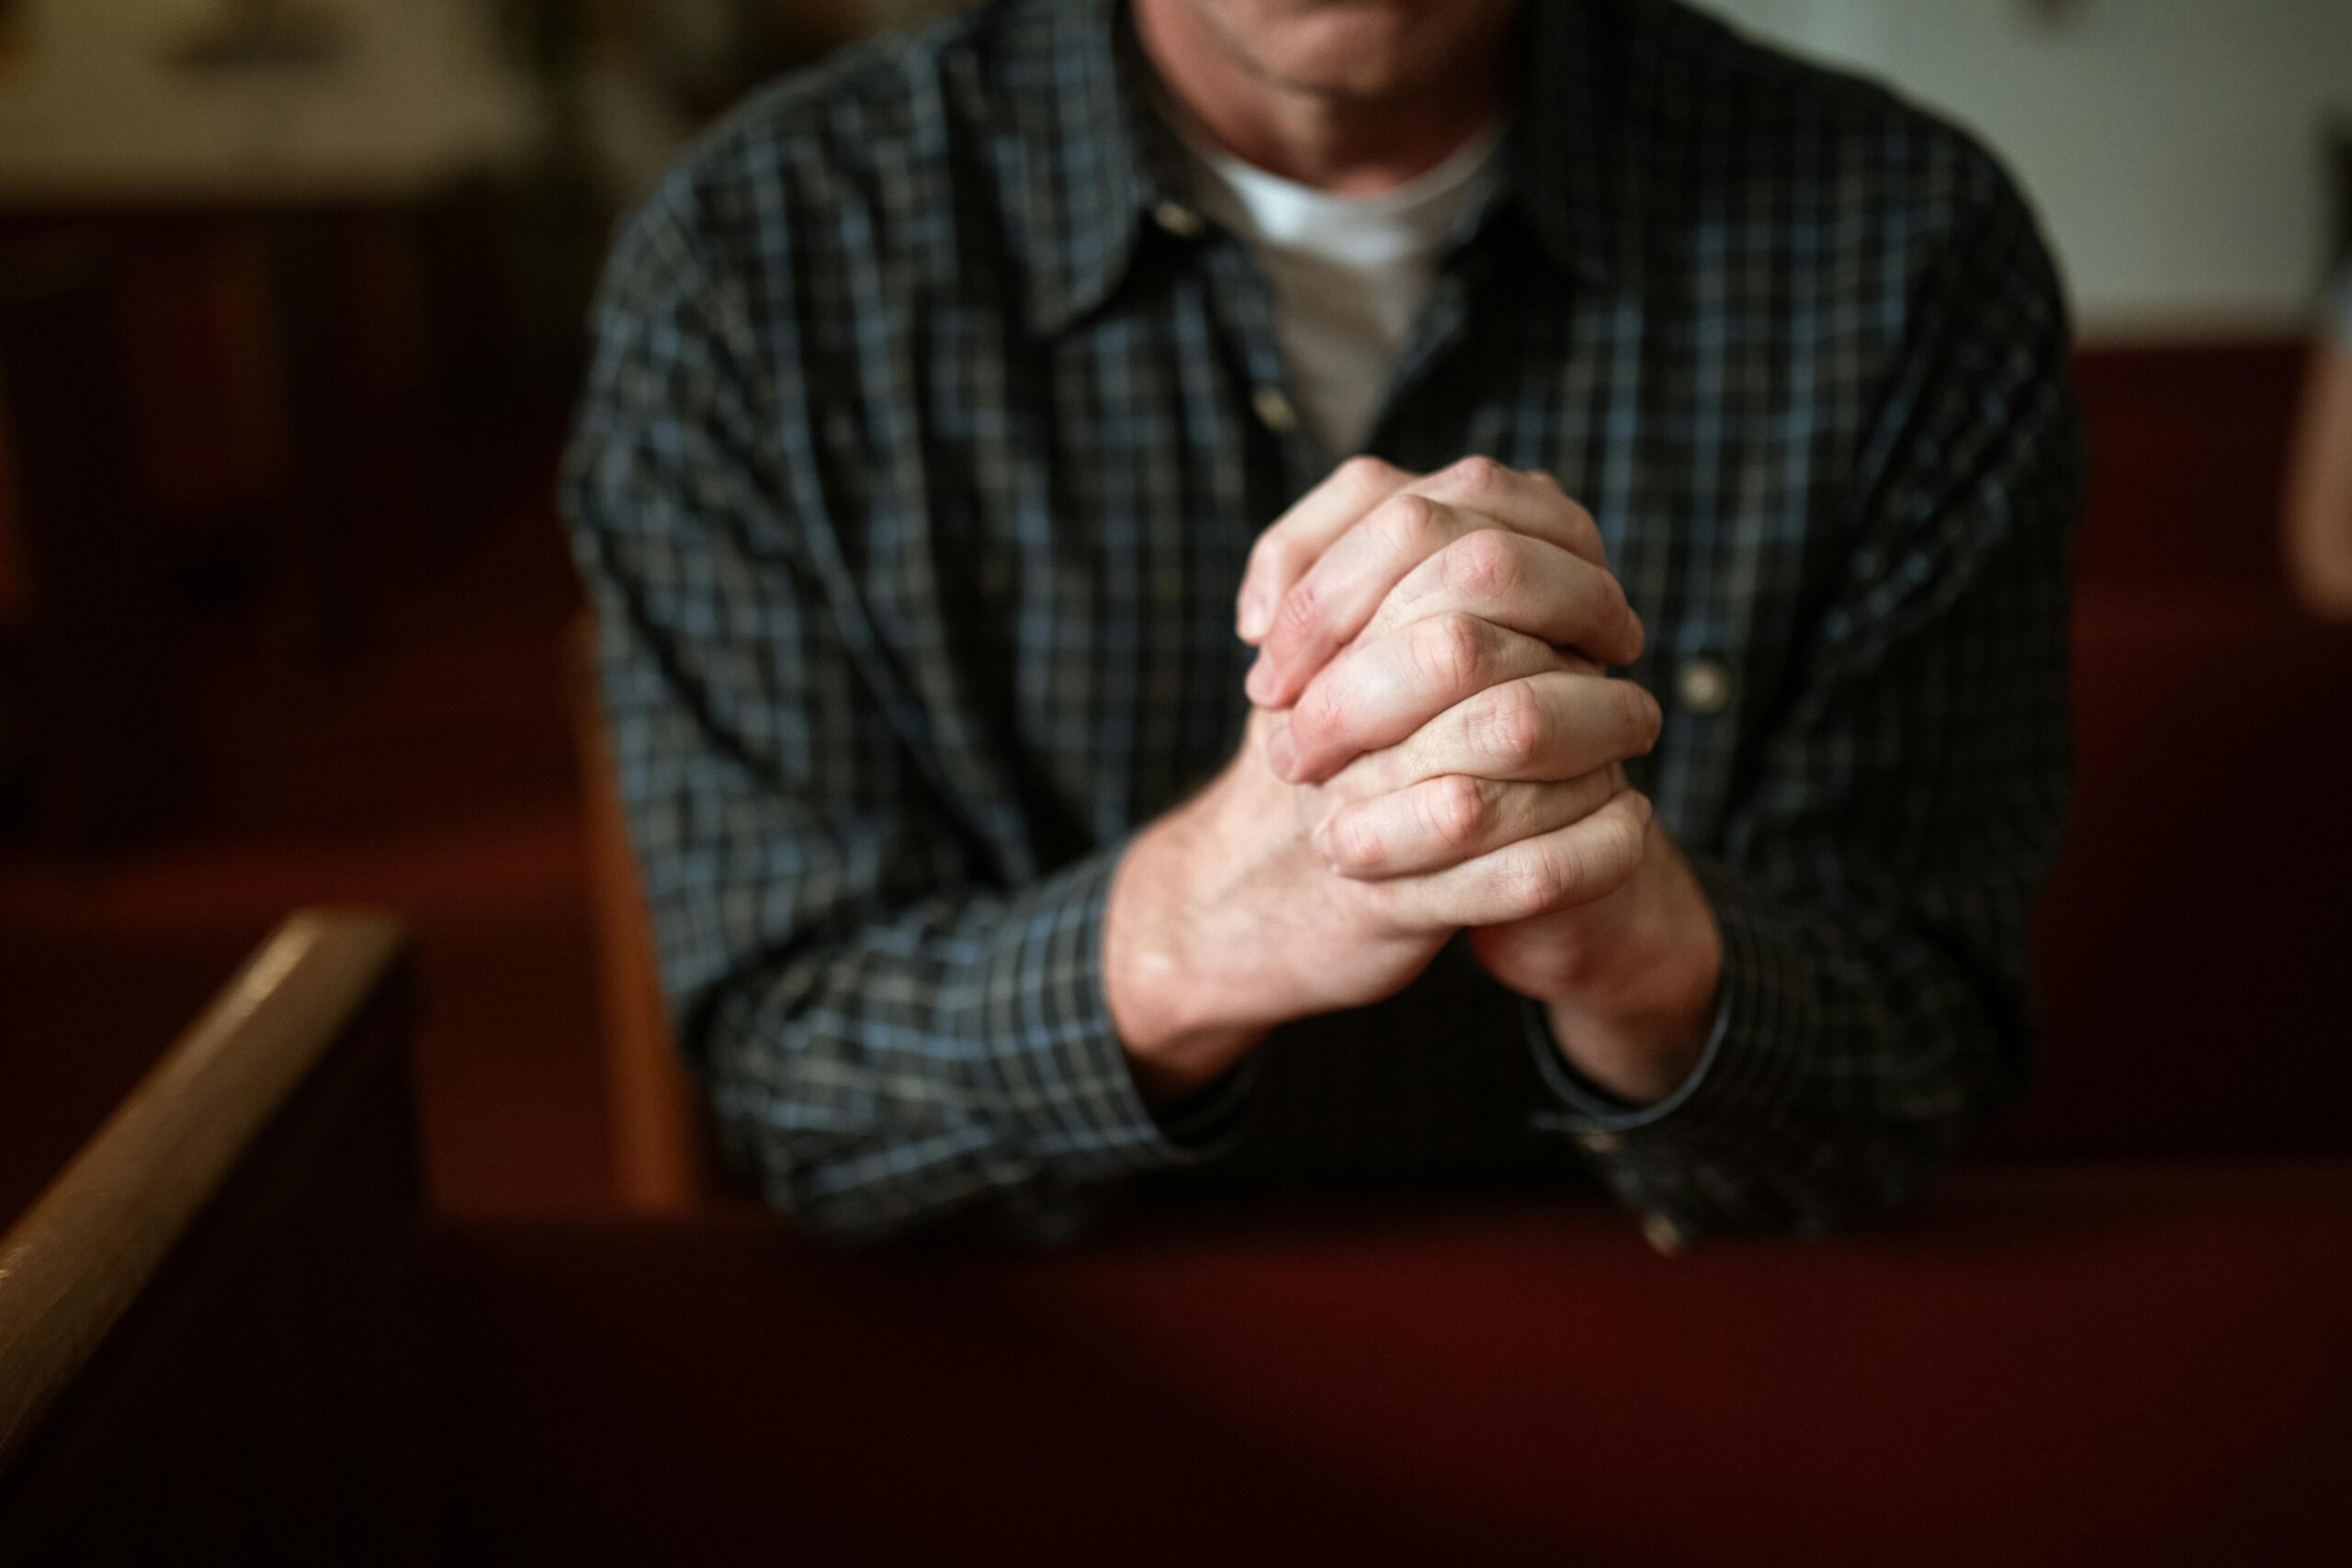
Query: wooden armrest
{"x": 662, "y": 1158}
{"x": 208, "y": 1271}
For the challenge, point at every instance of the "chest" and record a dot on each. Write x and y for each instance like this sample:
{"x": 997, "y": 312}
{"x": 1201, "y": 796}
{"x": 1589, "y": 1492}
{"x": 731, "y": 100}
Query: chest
{"x": 1089, "y": 504}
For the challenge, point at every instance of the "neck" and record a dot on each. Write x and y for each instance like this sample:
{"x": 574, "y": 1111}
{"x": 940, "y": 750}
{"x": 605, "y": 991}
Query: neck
{"x": 1353, "y": 143}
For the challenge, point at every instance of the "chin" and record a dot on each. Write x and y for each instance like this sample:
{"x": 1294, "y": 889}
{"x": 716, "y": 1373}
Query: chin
{"x": 1353, "y": 47}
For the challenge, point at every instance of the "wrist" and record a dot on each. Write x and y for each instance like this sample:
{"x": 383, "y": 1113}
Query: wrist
{"x": 1178, "y": 1025}
{"x": 1640, "y": 1061}
{"x": 1635, "y": 1015}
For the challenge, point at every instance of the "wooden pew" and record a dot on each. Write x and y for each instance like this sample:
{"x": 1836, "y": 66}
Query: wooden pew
{"x": 664, "y": 1155}
{"x": 205, "y": 1322}
{"x": 2048, "y": 1365}
{"x": 82, "y": 589}
{"x": 210, "y": 1351}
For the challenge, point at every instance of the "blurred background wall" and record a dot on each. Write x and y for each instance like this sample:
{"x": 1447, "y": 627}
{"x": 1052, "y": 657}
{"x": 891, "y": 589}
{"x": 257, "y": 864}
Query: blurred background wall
{"x": 112, "y": 95}
{"x": 2174, "y": 147}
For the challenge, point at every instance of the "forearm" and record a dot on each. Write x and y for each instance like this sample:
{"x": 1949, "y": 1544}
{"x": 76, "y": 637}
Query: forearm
{"x": 957, "y": 1057}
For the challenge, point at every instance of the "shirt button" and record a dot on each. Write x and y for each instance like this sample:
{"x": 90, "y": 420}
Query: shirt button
{"x": 1599, "y": 1142}
{"x": 1704, "y": 686}
{"x": 1178, "y": 220}
{"x": 1275, "y": 411}
{"x": 1664, "y": 1235}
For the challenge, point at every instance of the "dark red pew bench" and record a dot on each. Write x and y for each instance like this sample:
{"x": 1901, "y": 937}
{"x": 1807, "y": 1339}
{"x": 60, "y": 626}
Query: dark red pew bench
{"x": 2195, "y": 946}
{"x": 2141, "y": 1365}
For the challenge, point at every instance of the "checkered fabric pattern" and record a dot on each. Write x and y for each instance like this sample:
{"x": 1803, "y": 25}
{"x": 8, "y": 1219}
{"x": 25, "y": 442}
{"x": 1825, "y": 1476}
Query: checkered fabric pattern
{"x": 927, "y": 435}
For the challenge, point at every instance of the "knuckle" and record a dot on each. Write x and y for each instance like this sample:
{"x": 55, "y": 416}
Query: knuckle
{"x": 1481, "y": 564}
{"x": 1637, "y": 635}
{"x": 1364, "y": 472}
{"x": 1356, "y": 842}
{"x": 1627, "y": 838}
{"x": 1582, "y": 866}
{"x": 1272, "y": 553}
{"x": 1602, "y": 857}
{"x": 1533, "y": 883}
{"x": 1584, "y": 531}
{"x": 1511, "y": 724}
{"x": 1301, "y": 608}
{"x": 1412, "y": 524}
{"x": 1317, "y": 718}
{"x": 1451, "y": 651}
{"x": 1581, "y": 517}
{"x": 1457, "y": 808}
{"x": 1477, "y": 476}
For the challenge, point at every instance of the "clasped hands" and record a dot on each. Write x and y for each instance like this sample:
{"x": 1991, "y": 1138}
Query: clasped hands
{"x": 1434, "y": 747}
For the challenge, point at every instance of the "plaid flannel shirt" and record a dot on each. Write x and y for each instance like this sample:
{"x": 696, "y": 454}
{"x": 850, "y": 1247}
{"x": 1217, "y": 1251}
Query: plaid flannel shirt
{"x": 928, "y": 432}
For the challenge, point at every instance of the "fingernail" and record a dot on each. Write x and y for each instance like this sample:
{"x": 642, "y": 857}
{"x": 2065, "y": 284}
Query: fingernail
{"x": 1282, "y": 753}
{"x": 1252, "y": 624}
{"x": 1261, "y": 684}
{"x": 1642, "y": 806}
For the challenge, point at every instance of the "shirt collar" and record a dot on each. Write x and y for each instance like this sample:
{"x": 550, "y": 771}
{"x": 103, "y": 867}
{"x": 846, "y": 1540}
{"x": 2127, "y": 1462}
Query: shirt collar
{"x": 1573, "y": 169}
{"x": 1099, "y": 164}
{"x": 1101, "y": 159}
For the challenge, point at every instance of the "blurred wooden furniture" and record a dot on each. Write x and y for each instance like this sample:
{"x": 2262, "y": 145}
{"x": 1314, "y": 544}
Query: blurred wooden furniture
{"x": 267, "y": 347}
{"x": 2046, "y": 1366}
{"x": 661, "y": 1144}
{"x": 212, "y": 386}
{"x": 212, "y": 1349}
{"x": 204, "y": 1350}
{"x": 87, "y": 607}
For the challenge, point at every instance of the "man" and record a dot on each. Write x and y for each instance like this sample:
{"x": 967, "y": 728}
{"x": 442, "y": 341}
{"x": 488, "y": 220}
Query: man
{"x": 1641, "y": 764}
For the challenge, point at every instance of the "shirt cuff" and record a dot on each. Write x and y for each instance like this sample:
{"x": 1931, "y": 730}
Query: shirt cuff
{"x": 1061, "y": 1072}
{"x": 1767, "y": 1013}
{"x": 1210, "y": 1118}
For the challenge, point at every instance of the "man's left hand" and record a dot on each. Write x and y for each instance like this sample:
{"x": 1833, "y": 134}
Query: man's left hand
{"x": 1386, "y": 615}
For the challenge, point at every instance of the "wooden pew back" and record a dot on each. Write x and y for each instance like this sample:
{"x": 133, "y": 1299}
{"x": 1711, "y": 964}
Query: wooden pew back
{"x": 204, "y": 1321}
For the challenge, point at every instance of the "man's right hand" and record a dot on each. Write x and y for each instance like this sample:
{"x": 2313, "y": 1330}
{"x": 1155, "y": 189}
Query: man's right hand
{"x": 1231, "y": 914}
{"x": 1225, "y": 921}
